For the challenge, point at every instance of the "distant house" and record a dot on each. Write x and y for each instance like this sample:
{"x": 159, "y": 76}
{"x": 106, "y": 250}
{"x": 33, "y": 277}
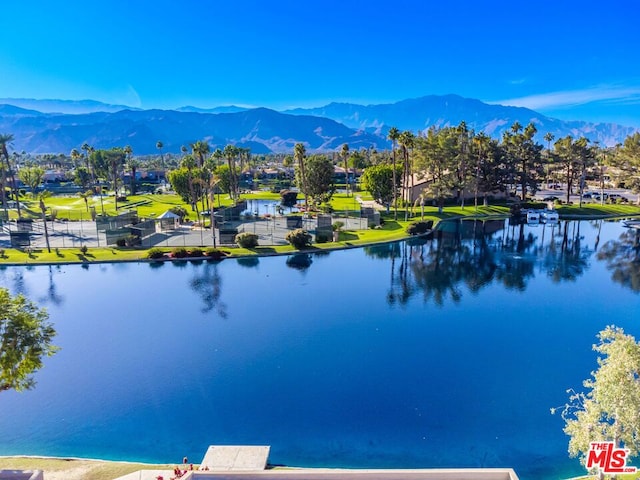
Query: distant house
{"x": 421, "y": 184}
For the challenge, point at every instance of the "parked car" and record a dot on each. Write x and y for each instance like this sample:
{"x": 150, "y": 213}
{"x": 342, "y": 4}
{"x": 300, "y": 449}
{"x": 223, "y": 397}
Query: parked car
{"x": 550, "y": 198}
{"x": 616, "y": 197}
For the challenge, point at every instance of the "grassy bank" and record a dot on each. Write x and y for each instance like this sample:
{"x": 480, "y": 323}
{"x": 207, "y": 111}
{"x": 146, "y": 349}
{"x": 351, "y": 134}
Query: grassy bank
{"x": 77, "y": 469}
{"x": 391, "y": 230}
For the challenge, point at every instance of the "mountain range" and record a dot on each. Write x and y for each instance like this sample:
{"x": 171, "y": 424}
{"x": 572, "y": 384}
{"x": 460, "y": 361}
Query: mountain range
{"x": 37, "y": 128}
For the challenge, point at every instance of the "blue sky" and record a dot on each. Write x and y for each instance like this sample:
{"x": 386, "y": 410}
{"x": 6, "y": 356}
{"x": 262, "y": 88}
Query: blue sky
{"x": 568, "y": 59}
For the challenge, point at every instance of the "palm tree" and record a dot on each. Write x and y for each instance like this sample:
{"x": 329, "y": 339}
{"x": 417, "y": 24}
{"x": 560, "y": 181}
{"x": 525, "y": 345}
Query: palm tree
{"x": 230, "y": 152}
{"x": 6, "y": 138}
{"x": 3, "y": 190}
{"x": 200, "y": 149}
{"x": 548, "y": 137}
{"x": 344, "y": 153}
{"x": 159, "y": 146}
{"x": 85, "y": 196}
{"x": 189, "y": 163}
{"x": 132, "y": 166}
{"x": 43, "y": 209}
{"x": 407, "y": 142}
{"x": 299, "y": 153}
{"x": 75, "y": 157}
{"x": 394, "y": 135}
{"x": 88, "y": 149}
{"x": 481, "y": 141}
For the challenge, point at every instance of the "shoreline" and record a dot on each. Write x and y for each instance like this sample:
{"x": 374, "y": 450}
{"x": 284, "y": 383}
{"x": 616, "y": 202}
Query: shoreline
{"x": 343, "y": 245}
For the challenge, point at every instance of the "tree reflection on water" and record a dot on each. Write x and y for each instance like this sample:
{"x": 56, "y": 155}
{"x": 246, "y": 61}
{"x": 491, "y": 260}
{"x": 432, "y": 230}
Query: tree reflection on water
{"x": 477, "y": 253}
{"x": 623, "y": 258}
{"x": 207, "y": 282}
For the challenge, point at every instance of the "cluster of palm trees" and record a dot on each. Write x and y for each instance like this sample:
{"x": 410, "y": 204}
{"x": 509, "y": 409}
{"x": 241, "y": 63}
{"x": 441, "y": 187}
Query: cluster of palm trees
{"x": 453, "y": 161}
{"x": 202, "y": 173}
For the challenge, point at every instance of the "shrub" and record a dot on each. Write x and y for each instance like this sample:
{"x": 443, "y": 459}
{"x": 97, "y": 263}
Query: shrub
{"x": 155, "y": 253}
{"x": 288, "y": 198}
{"x": 322, "y": 238}
{"x": 196, "y": 252}
{"x": 84, "y": 249}
{"x": 131, "y": 240}
{"x": 2, "y": 253}
{"x": 417, "y": 228}
{"x": 247, "y": 240}
{"x": 299, "y": 238}
{"x": 180, "y": 211}
{"x": 326, "y": 208}
{"x": 179, "y": 252}
{"x": 337, "y": 226}
{"x": 214, "y": 253}
{"x": 121, "y": 242}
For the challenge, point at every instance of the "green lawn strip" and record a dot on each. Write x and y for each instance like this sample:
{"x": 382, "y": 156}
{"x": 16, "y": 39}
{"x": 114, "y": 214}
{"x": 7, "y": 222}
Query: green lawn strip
{"x": 595, "y": 210}
{"x": 95, "y": 470}
{"x": 70, "y": 255}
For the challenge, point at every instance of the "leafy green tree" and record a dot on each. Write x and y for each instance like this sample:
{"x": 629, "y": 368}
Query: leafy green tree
{"x": 627, "y": 158}
{"x": 82, "y": 177}
{"x": 609, "y": 409}
{"x": 525, "y": 155}
{"x": 25, "y": 338}
{"x": 435, "y": 161}
{"x": 574, "y": 157}
{"x": 182, "y": 182}
{"x": 32, "y": 177}
{"x": 378, "y": 181}
{"x": 318, "y": 178}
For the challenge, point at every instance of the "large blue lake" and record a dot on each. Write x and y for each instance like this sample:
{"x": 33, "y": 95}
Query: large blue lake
{"x": 441, "y": 353}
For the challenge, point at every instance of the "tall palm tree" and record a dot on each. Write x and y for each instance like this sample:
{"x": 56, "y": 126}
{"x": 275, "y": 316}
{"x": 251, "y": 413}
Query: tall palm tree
{"x": 231, "y": 152}
{"x": 394, "y": 135}
{"x": 85, "y": 196}
{"x": 344, "y": 153}
{"x": 75, "y": 157}
{"x": 481, "y": 142}
{"x": 299, "y": 154}
{"x": 6, "y": 138}
{"x": 43, "y": 209}
{"x": 88, "y": 149}
{"x": 132, "y": 166}
{"x": 407, "y": 142}
{"x": 200, "y": 149}
{"x": 160, "y": 146}
{"x": 548, "y": 137}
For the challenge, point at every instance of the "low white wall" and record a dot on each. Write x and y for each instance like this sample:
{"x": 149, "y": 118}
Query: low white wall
{"x": 21, "y": 475}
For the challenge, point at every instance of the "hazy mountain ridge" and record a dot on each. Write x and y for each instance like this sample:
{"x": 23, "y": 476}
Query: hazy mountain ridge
{"x": 418, "y": 114}
{"x": 261, "y": 129}
{"x": 63, "y": 106}
{"x": 265, "y": 130}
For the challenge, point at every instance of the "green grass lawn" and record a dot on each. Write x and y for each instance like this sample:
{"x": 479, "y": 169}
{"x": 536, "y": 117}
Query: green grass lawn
{"x": 391, "y": 230}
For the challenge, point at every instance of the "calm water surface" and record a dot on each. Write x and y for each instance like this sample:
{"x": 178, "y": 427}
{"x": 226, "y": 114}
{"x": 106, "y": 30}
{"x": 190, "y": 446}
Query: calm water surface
{"x": 447, "y": 352}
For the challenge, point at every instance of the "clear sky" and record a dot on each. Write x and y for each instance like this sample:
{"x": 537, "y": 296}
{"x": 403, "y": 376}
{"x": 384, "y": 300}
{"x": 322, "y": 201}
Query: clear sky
{"x": 569, "y": 59}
